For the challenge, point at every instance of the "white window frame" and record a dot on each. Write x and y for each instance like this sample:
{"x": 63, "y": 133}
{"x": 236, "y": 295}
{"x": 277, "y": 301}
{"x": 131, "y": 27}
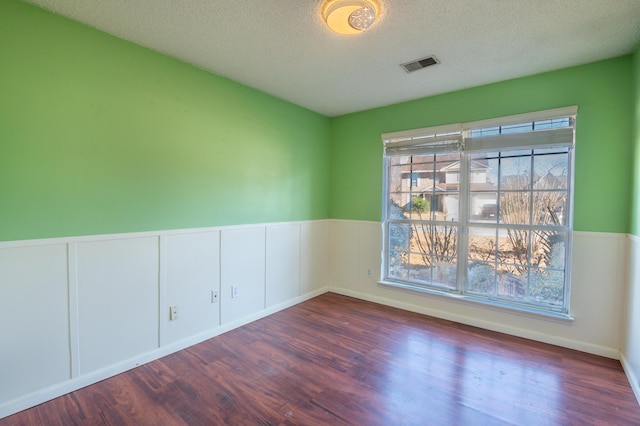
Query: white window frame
{"x": 458, "y": 137}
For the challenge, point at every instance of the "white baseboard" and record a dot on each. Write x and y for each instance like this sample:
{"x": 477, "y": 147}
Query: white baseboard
{"x": 631, "y": 376}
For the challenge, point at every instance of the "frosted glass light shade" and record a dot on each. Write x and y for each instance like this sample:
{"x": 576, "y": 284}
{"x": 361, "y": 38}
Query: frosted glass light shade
{"x": 349, "y": 16}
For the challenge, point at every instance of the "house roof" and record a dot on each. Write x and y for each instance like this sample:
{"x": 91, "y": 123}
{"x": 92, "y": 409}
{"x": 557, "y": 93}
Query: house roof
{"x": 284, "y": 48}
{"x": 475, "y": 166}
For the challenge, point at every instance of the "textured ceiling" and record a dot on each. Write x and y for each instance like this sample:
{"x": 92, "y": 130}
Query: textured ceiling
{"x": 283, "y": 48}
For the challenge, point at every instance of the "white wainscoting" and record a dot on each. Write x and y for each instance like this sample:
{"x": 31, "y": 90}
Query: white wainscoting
{"x": 630, "y": 356}
{"x": 78, "y": 310}
{"x": 243, "y": 265}
{"x": 117, "y": 300}
{"x": 282, "y": 264}
{"x": 34, "y": 325}
{"x": 598, "y": 286}
{"x": 191, "y": 272}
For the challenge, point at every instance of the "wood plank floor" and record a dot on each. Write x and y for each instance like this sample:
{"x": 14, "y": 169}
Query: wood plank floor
{"x": 334, "y": 360}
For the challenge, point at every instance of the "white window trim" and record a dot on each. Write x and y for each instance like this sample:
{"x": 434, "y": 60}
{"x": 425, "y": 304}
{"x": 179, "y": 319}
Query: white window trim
{"x": 452, "y": 136}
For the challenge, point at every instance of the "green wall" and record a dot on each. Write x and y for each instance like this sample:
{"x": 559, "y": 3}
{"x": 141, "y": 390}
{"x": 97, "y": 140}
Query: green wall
{"x": 98, "y": 135}
{"x": 635, "y": 213}
{"x": 603, "y": 170}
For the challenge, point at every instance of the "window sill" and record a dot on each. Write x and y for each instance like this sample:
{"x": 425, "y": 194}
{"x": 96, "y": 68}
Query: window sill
{"x": 491, "y": 304}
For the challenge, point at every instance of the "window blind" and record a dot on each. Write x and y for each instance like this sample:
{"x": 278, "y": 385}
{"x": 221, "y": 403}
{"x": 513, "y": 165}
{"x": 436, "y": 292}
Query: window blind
{"x": 471, "y": 136}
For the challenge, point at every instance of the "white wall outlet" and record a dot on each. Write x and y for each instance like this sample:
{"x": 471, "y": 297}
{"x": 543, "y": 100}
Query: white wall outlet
{"x": 214, "y": 296}
{"x": 234, "y": 291}
{"x": 173, "y": 313}
{"x": 369, "y": 273}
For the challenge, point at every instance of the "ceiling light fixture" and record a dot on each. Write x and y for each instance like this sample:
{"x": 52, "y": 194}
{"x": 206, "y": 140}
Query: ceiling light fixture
{"x": 349, "y": 16}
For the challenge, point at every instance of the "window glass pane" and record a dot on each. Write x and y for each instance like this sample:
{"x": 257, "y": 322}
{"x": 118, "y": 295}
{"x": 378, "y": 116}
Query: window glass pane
{"x": 445, "y": 201}
{"x": 447, "y": 207}
{"x": 548, "y": 249}
{"x": 448, "y": 174}
{"x": 515, "y": 173}
{"x": 433, "y": 254}
{"x": 551, "y": 150}
{"x": 396, "y": 205}
{"x": 419, "y": 269}
{"x": 514, "y": 207}
{"x": 420, "y": 207}
{"x": 399, "y": 270}
{"x": 483, "y": 155}
{"x": 483, "y": 174}
{"x": 399, "y": 159}
{"x": 487, "y": 131}
{"x": 422, "y": 160}
{"x": 512, "y": 283}
{"x": 481, "y": 277}
{"x": 515, "y": 153}
{"x": 483, "y": 182}
{"x": 551, "y": 171}
{"x": 396, "y": 175}
{"x": 483, "y": 207}
{"x": 513, "y": 248}
{"x": 547, "y": 287}
{"x": 448, "y": 156}
{"x": 419, "y": 258}
{"x": 516, "y": 128}
{"x": 543, "y": 125}
{"x": 398, "y": 240}
{"x": 482, "y": 244}
{"x": 445, "y": 272}
{"x": 443, "y": 244}
{"x": 483, "y": 171}
{"x": 549, "y": 208}
{"x": 552, "y": 124}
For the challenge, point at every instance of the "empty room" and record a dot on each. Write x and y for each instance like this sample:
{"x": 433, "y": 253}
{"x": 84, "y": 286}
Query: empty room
{"x": 344, "y": 212}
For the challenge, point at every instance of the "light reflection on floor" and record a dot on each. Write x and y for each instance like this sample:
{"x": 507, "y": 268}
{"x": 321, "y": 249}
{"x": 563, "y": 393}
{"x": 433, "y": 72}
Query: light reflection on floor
{"x": 467, "y": 384}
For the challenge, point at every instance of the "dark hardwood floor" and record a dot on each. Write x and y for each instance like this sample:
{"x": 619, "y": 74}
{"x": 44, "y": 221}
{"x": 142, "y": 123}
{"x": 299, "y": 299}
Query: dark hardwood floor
{"x": 334, "y": 360}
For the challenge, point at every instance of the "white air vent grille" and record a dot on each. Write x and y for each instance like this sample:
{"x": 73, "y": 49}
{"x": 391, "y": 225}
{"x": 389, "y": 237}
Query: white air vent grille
{"x": 419, "y": 64}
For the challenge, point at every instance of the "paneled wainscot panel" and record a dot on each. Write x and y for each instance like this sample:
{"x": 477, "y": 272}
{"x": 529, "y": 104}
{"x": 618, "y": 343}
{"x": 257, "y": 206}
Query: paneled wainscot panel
{"x": 631, "y": 348}
{"x": 314, "y": 256}
{"x": 117, "y": 300}
{"x": 243, "y": 268}
{"x": 34, "y": 319}
{"x": 191, "y": 273}
{"x": 283, "y": 263}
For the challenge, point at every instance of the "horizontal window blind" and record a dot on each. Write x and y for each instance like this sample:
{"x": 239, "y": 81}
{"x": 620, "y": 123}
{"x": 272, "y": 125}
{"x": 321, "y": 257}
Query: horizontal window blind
{"x": 531, "y": 139}
{"x": 549, "y": 128}
{"x": 425, "y": 145}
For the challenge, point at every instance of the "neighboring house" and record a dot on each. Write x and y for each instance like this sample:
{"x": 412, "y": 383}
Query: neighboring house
{"x": 441, "y": 187}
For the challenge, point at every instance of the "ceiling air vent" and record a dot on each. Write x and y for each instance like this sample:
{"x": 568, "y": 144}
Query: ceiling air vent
{"x": 419, "y": 64}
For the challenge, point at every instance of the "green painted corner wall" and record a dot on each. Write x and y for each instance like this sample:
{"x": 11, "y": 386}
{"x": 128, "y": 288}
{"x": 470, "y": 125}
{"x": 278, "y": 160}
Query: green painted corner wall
{"x": 603, "y": 169}
{"x": 635, "y": 211}
{"x": 98, "y": 135}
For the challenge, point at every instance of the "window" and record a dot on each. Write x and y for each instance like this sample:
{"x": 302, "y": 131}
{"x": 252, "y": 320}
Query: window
{"x": 491, "y": 218}
{"x": 415, "y": 179}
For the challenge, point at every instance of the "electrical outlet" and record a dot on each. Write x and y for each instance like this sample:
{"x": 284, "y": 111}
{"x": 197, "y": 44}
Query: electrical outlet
{"x": 234, "y": 291}
{"x": 369, "y": 273}
{"x": 214, "y": 296}
{"x": 173, "y": 313}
